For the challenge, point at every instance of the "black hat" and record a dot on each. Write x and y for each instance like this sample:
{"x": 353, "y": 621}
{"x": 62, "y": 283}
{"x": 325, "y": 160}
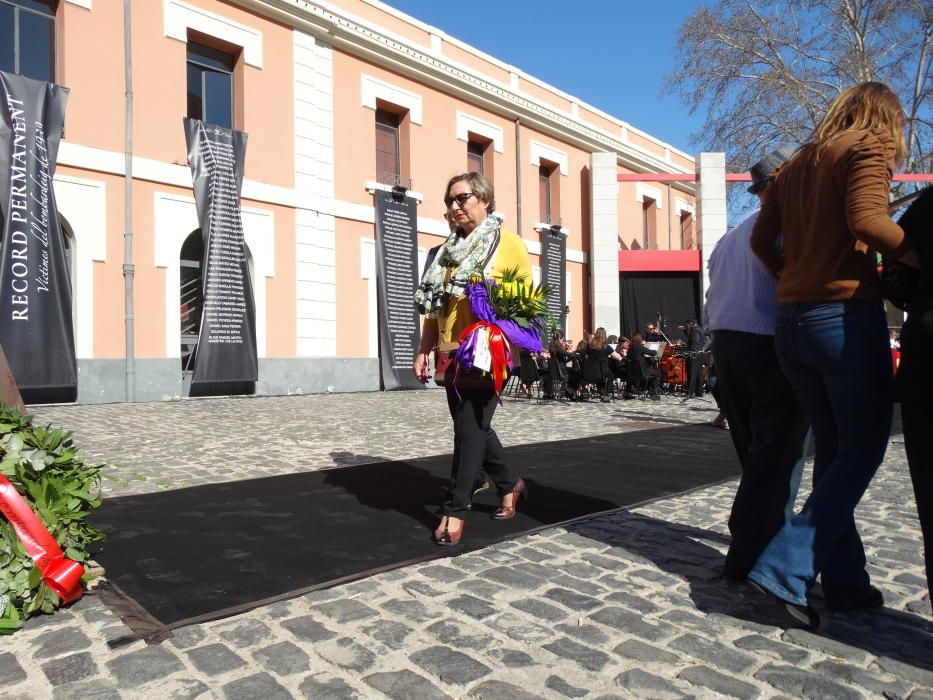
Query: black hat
{"x": 766, "y": 167}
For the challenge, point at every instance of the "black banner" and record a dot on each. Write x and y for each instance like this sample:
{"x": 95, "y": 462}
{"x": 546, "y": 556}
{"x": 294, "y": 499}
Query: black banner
{"x": 226, "y": 351}
{"x": 396, "y": 279}
{"x": 35, "y": 287}
{"x": 553, "y": 272}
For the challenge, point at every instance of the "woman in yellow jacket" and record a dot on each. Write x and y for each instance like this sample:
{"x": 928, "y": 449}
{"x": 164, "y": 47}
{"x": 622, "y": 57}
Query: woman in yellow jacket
{"x": 476, "y": 247}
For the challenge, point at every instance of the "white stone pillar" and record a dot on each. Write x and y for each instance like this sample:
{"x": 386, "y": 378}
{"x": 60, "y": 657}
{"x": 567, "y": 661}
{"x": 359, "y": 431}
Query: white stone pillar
{"x": 711, "y": 207}
{"x": 604, "y": 242}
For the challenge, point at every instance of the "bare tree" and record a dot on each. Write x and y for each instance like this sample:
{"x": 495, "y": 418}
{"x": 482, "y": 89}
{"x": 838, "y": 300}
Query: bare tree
{"x": 765, "y": 71}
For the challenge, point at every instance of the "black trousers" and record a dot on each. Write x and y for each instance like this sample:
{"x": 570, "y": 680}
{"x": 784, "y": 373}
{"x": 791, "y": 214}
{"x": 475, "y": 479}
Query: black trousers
{"x": 652, "y": 377}
{"x": 476, "y": 448}
{"x": 769, "y": 433}
{"x": 694, "y": 378}
{"x": 917, "y": 420}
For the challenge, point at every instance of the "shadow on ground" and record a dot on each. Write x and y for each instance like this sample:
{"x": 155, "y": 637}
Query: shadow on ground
{"x": 691, "y": 554}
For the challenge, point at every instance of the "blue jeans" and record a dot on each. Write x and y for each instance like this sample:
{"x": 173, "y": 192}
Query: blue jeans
{"x": 837, "y": 358}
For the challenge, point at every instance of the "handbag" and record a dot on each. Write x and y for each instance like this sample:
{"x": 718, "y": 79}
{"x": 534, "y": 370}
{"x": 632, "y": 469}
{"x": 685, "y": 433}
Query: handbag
{"x": 445, "y": 370}
{"x": 899, "y": 282}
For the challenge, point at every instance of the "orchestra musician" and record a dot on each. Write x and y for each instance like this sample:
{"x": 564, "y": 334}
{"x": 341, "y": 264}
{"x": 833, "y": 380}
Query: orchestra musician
{"x": 637, "y": 352}
{"x": 652, "y": 333}
{"x": 694, "y": 347}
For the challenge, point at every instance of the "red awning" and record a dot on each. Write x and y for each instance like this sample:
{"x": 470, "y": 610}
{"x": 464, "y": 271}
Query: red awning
{"x": 659, "y": 261}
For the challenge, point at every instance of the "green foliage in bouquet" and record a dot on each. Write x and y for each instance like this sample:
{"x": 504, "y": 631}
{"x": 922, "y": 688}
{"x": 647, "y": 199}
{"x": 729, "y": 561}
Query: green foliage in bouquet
{"x": 43, "y": 465}
{"x": 515, "y": 298}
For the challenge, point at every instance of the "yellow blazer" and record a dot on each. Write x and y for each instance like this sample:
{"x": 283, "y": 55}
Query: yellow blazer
{"x": 510, "y": 253}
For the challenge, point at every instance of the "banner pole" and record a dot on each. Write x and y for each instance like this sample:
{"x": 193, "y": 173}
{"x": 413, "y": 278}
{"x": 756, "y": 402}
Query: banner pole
{"x": 128, "y": 267}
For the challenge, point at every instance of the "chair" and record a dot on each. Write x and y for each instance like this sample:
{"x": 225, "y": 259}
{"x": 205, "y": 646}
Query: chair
{"x": 528, "y": 376}
{"x": 594, "y": 371}
{"x": 636, "y": 379}
{"x": 554, "y": 381}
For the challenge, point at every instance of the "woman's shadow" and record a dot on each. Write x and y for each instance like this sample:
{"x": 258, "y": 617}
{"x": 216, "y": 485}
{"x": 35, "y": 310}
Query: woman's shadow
{"x": 412, "y": 488}
{"x": 693, "y": 554}
{"x": 416, "y": 488}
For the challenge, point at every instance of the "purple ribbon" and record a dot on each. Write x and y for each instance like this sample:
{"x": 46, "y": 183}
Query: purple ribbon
{"x": 466, "y": 353}
{"x": 526, "y": 338}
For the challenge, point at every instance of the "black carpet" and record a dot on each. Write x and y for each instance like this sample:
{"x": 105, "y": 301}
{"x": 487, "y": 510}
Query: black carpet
{"x": 208, "y": 551}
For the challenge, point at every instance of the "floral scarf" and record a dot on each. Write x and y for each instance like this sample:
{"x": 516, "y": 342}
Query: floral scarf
{"x": 468, "y": 254}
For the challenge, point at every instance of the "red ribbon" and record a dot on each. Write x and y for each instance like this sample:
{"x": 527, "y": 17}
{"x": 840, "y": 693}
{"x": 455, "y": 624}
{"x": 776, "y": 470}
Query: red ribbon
{"x": 60, "y": 574}
{"x": 498, "y": 349}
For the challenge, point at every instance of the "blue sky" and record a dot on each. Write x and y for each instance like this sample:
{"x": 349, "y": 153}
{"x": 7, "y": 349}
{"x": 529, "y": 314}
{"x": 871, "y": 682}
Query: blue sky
{"x": 612, "y": 54}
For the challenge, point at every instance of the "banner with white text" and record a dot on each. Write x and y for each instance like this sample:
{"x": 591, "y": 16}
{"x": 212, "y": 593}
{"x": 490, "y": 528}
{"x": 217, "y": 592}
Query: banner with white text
{"x": 226, "y": 350}
{"x": 554, "y": 272}
{"x": 36, "y": 328}
{"x": 396, "y": 279}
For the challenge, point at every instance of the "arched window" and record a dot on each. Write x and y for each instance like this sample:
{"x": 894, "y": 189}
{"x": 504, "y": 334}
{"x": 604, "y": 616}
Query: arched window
{"x": 191, "y": 294}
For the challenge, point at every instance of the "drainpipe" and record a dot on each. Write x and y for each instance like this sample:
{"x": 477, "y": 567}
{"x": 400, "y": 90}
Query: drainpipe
{"x": 670, "y": 219}
{"x": 518, "y": 176}
{"x": 128, "y": 267}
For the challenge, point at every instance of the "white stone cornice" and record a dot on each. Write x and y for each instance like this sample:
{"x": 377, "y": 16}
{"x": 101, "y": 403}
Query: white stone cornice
{"x": 179, "y": 17}
{"x": 372, "y": 89}
{"x": 467, "y": 123}
{"x": 353, "y": 35}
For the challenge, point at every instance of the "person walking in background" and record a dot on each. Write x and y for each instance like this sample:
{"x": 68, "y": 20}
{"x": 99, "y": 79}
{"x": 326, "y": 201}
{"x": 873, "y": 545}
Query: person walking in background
{"x": 914, "y": 381}
{"x": 830, "y": 203}
{"x": 476, "y": 247}
{"x": 767, "y": 424}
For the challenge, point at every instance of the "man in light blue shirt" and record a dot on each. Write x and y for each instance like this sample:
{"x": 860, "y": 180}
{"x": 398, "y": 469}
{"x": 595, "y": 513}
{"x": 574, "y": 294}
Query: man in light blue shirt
{"x": 767, "y": 425}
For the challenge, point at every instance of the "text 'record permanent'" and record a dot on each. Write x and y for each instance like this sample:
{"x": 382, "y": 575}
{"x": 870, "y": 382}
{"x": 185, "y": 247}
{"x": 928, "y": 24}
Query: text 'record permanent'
{"x": 35, "y": 284}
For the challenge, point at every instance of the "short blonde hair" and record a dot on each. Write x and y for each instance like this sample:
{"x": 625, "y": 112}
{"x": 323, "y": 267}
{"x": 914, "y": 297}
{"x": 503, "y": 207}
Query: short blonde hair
{"x": 481, "y": 187}
{"x": 867, "y": 106}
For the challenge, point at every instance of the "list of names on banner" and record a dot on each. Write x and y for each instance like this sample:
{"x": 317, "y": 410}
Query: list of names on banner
{"x": 399, "y": 254}
{"x": 224, "y": 298}
{"x": 553, "y": 246}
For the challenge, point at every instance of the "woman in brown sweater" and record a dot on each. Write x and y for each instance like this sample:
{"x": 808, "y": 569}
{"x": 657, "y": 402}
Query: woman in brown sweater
{"x": 830, "y": 205}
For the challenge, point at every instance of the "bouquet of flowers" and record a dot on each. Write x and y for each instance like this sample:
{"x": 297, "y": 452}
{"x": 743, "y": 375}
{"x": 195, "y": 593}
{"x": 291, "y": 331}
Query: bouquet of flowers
{"x": 510, "y": 310}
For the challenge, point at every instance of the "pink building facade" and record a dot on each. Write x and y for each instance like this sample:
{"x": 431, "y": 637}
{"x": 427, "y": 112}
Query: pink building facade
{"x": 339, "y": 99}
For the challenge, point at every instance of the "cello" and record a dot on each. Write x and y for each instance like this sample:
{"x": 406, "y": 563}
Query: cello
{"x": 673, "y": 368}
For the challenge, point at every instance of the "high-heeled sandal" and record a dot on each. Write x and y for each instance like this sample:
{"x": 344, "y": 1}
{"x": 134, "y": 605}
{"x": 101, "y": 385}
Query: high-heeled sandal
{"x": 448, "y": 538}
{"x": 506, "y": 512}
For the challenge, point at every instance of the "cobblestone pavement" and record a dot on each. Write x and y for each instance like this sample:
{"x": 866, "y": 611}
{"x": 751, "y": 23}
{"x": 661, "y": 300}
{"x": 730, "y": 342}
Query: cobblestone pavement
{"x": 628, "y": 604}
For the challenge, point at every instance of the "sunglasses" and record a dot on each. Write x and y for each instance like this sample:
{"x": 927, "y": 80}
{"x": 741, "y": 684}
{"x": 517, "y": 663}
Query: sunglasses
{"x": 460, "y": 199}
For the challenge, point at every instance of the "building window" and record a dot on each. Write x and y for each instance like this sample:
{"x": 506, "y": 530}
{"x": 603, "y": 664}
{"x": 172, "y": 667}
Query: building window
{"x": 475, "y": 153}
{"x": 686, "y": 230}
{"x": 210, "y": 85}
{"x": 27, "y": 38}
{"x": 479, "y": 155}
{"x": 393, "y": 144}
{"x": 649, "y": 220}
{"x": 549, "y": 193}
{"x": 388, "y": 165}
